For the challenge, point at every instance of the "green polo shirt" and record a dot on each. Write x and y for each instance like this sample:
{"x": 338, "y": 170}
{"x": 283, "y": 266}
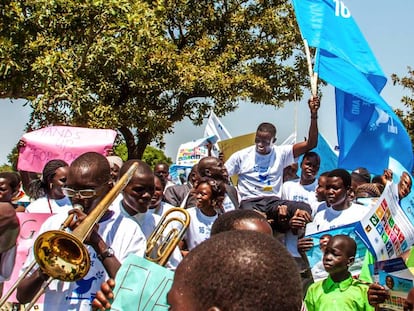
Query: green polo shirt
{"x": 343, "y": 296}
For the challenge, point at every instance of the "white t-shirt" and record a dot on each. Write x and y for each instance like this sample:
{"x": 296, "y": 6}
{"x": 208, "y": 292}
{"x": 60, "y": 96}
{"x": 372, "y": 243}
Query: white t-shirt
{"x": 161, "y": 209}
{"x": 200, "y": 227}
{"x": 41, "y": 205}
{"x": 260, "y": 175}
{"x": 122, "y": 234}
{"x": 294, "y": 191}
{"x": 330, "y": 218}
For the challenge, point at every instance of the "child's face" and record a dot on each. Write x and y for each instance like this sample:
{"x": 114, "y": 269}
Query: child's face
{"x": 158, "y": 193}
{"x": 203, "y": 196}
{"x": 138, "y": 193}
{"x": 6, "y": 192}
{"x": 336, "y": 193}
{"x": 335, "y": 258}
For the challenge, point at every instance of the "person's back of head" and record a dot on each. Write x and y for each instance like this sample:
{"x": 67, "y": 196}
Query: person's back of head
{"x": 237, "y": 270}
{"x": 369, "y": 190}
{"x": 241, "y": 220}
{"x": 143, "y": 167}
{"x": 360, "y": 176}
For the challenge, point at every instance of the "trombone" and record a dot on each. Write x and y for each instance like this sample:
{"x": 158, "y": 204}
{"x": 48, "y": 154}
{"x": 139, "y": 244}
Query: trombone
{"x": 159, "y": 245}
{"x": 62, "y": 255}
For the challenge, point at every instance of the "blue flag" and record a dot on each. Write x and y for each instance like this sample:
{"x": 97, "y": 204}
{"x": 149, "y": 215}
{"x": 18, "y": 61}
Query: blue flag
{"x": 369, "y": 132}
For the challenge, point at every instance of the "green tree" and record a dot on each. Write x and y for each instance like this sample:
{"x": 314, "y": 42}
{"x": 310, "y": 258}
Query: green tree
{"x": 152, "y": 156}
{"x": 141, "y": 66}
{"x": 407, "y": 116}
{"x": 6, "y": 168}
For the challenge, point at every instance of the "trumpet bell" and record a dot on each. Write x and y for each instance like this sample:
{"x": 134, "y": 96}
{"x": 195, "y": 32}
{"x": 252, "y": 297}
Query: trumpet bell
{"x": 61, "y": 255}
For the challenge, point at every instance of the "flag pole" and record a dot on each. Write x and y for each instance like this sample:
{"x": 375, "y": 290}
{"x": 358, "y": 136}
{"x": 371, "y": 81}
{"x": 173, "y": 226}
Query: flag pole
{"x": 313, "y": 76}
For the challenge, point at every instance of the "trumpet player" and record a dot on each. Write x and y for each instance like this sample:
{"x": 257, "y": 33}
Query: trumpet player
{"x": 136, "y": 200}
{"x": 108, "y": 244}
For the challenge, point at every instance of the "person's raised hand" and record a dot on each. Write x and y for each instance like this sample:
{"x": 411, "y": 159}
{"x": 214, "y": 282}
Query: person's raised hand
{"x": 314, "y": 105}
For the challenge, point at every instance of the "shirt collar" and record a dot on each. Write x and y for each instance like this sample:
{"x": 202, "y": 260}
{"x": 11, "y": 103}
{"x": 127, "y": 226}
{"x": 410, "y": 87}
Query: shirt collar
{"x": 343, "y": 285}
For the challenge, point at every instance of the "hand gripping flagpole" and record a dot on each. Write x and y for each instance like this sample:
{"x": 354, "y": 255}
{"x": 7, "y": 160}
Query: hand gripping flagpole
{"x": 313, "y": 75}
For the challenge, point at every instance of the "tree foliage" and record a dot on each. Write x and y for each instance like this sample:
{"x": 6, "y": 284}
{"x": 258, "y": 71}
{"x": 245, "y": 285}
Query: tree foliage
{"x": 407, "y": 117}
{"x": 141, "y": 66}
{"x": 153, "y": 156}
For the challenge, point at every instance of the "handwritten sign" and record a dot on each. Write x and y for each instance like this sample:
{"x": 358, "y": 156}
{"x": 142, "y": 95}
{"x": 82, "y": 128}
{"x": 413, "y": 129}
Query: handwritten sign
{"x": 141, "y": 285}
{"x": 30, "y": 224}
{"x": 61, "y": 142}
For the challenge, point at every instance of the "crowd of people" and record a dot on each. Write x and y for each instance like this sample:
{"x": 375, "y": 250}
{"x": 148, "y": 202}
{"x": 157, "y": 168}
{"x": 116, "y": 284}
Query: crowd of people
{"x": 245, "y": 247}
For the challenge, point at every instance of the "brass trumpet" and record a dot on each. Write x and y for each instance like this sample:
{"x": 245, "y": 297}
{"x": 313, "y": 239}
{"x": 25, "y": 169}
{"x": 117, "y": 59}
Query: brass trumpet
{"x": 159, "y": 245}
{"x": 63, "y": 255}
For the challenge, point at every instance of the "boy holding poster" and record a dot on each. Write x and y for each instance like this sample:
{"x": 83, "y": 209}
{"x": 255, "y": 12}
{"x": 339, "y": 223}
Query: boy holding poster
{"x": 339, "y": 291}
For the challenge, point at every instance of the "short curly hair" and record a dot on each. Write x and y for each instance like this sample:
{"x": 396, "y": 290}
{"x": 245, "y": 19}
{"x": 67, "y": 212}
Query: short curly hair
{"x": 241, "y": 270}
{"x": 229, "y": 220}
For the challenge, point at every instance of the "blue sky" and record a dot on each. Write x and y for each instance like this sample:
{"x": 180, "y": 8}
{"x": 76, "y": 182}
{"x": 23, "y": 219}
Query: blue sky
{"x": 387, "y": 27}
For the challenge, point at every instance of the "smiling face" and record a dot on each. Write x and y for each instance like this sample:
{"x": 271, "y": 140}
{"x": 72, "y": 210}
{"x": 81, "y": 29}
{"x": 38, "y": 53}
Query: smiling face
{"x": 138, "y": 193}
{"x": 336, "y": 193}
{"x": 58, "y": 181}
{"x": 203, "y": 194}
{"x": 264, "y": 142}
{"x": 404, "y": 185}
{"x": 158, "y": 193}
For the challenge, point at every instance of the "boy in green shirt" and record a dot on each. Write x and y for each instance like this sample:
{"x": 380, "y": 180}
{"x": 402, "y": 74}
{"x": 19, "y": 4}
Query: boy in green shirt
{"x": 339, "y": 291}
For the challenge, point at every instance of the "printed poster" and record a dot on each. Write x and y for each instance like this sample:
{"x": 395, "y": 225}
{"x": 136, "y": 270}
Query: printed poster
{"x": 394, "y": 275}
{"x": 192, "y": 152}
{"x": 385, "y": 229}
{"x": 315, "y": 254}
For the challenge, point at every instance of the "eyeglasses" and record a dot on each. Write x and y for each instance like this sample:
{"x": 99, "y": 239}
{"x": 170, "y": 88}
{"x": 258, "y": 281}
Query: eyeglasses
{"x": 82, "y": 194}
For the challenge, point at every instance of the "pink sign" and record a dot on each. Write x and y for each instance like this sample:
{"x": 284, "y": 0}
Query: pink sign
{"x": 30, "y": 224}
{"x": 61, "y": 142}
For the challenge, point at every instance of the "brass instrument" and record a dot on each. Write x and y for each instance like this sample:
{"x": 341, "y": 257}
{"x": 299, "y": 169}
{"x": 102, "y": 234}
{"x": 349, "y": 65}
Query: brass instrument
{"x": 62, "y": 255}
{"x": 159, "y": 245}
